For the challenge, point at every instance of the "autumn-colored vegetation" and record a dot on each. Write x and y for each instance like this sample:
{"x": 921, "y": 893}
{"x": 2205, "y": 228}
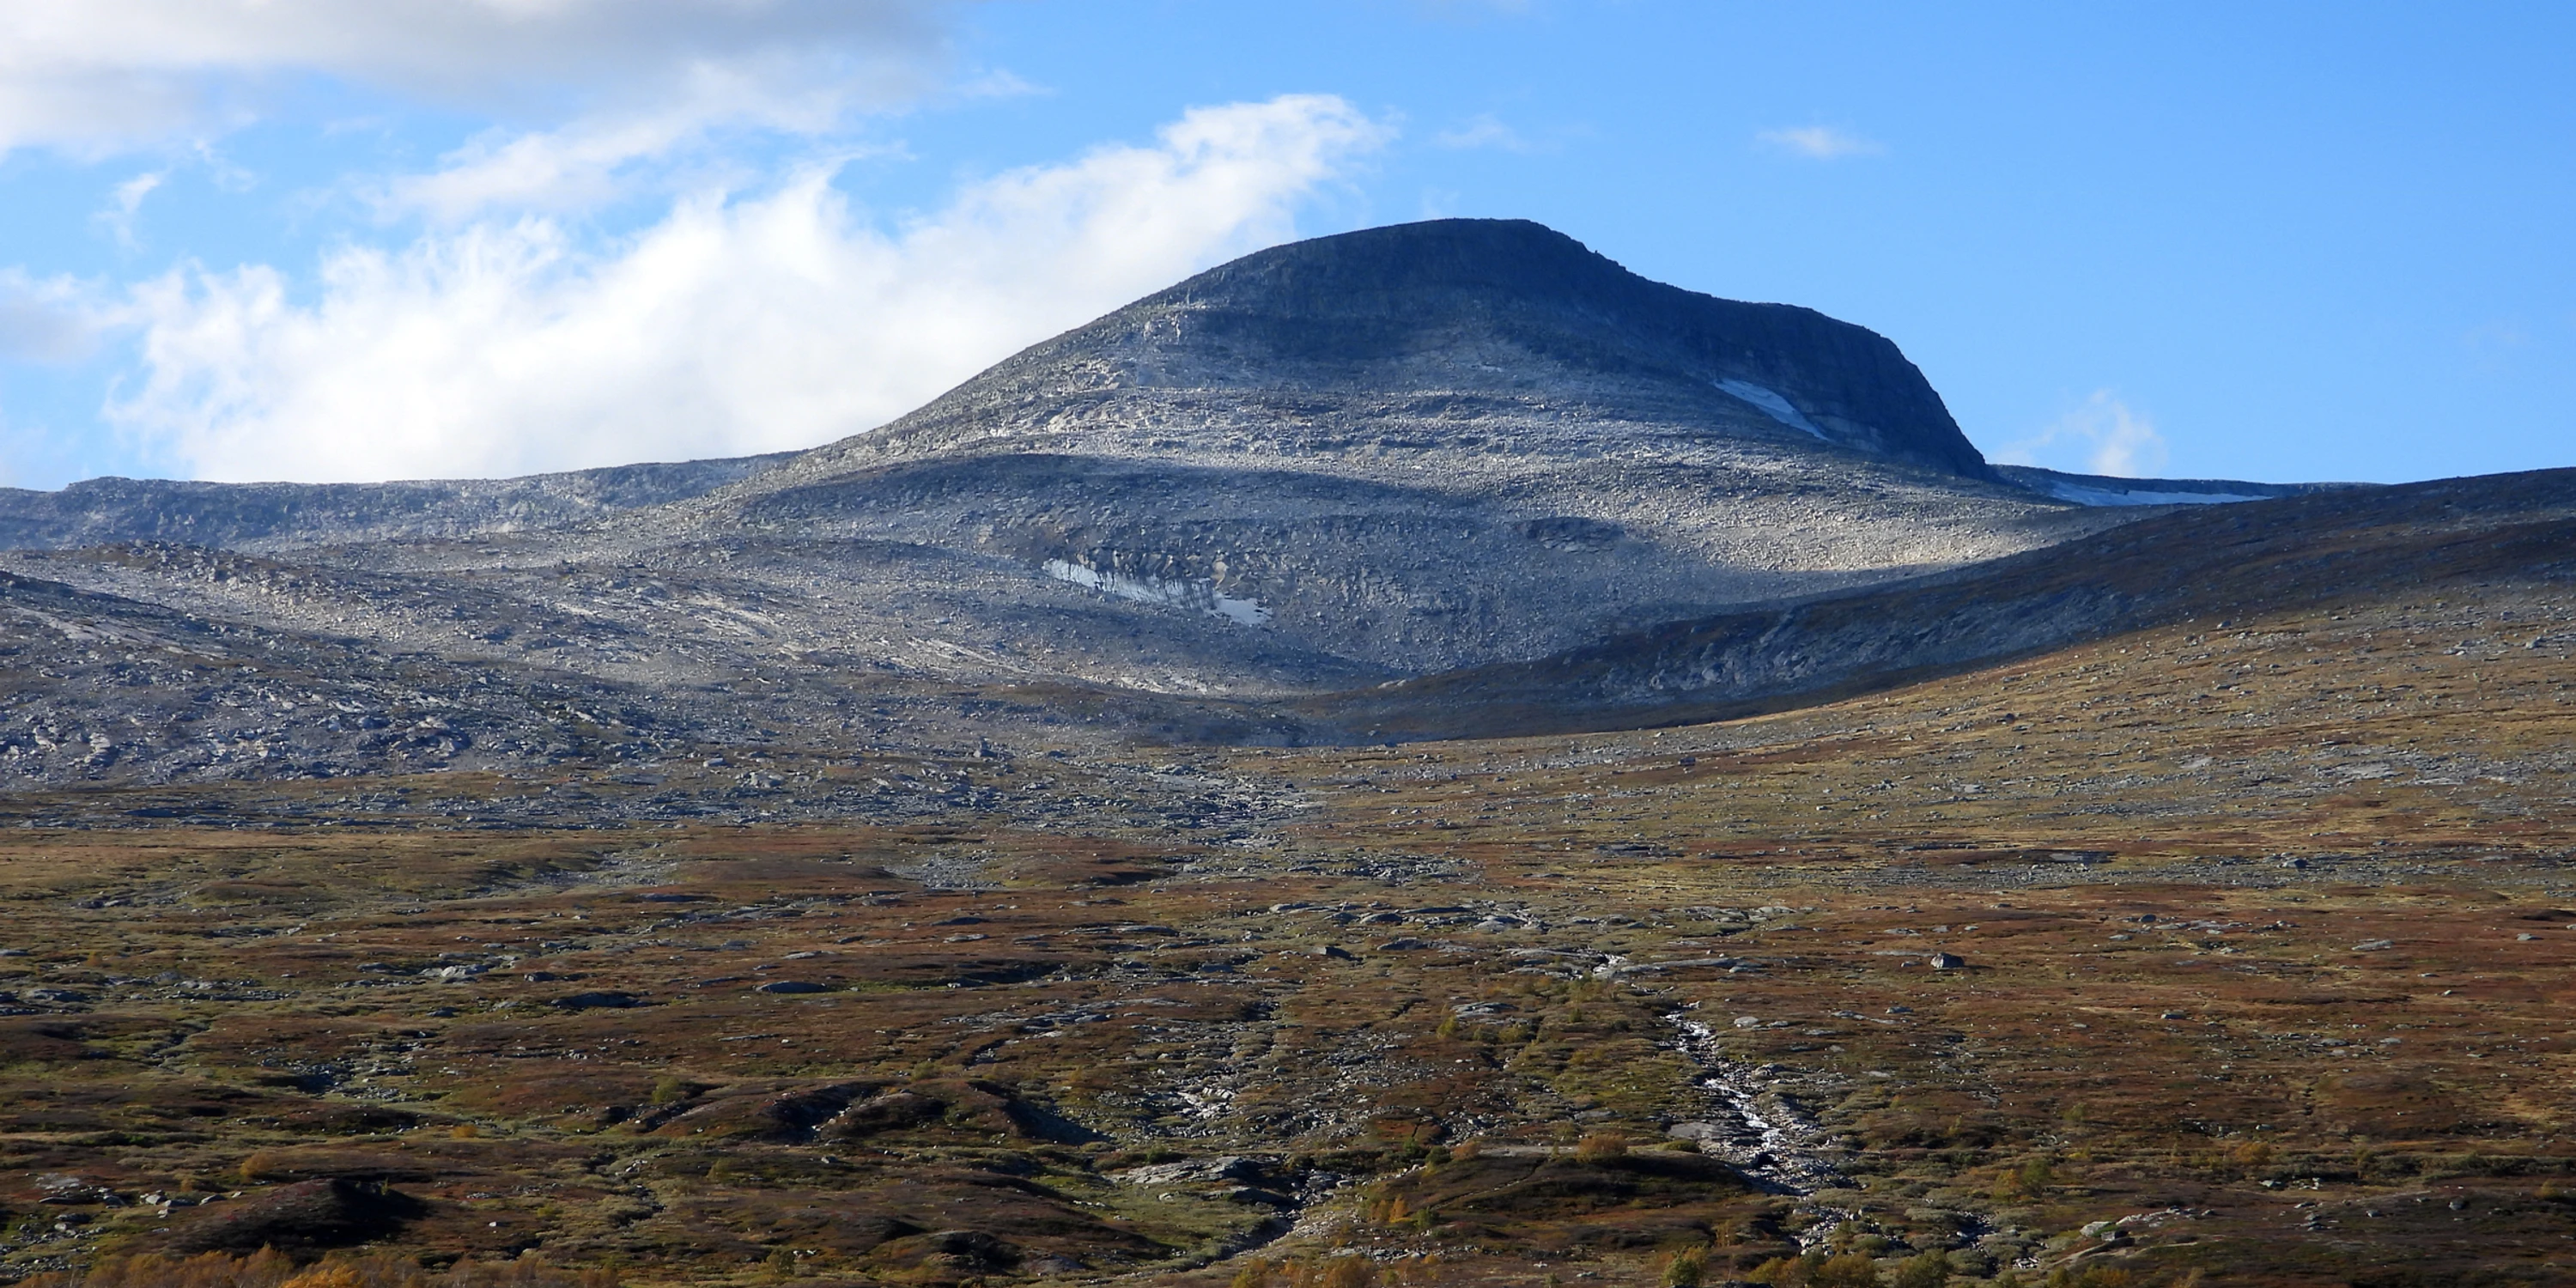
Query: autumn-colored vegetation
{"x": 2258, "y": 940}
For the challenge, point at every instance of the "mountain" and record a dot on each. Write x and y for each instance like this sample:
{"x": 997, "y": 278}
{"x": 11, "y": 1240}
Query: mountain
{"x": 884, "y": 865}
{"x": 1507, "y": 315}
{"x": 1327, "y": 466}
{"x": 1391, "y": 448}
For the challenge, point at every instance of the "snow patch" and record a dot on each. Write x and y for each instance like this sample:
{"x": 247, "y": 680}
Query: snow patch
{"x": 1201, "y": 595}
{"x": 1772, "y": 404}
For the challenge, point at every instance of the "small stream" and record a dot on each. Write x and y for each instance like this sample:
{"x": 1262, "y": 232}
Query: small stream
{"x": 1757, "y": 1128}
{"x": 1763, "y": 1132}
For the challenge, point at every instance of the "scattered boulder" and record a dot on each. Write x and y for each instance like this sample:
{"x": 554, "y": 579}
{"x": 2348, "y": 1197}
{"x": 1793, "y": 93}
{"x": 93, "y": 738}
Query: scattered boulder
{"x": 1239, "y": 1169}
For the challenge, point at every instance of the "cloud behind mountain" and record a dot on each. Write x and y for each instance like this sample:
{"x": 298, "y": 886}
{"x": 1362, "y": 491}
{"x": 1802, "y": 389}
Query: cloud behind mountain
{"x": 739, "y": 323}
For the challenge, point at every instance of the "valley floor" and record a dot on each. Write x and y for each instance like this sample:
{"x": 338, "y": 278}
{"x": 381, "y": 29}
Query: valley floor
{"x": 2224, "y": 953}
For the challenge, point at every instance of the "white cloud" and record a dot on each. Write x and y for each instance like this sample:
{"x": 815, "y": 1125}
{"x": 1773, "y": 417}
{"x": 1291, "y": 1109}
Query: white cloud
{"x": 595, "y": 158}
{"x": 1820, "y": 142}
{"x": 2112, "y": 439}
{"x": 102, "y": 75}
{"x": 45, "y": 320}
{"x": 737, "y": 324}
{"x": 573, "y": 168}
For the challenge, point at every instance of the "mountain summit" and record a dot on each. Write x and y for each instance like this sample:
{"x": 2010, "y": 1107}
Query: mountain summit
{"x": 1423, "y": 446}
{"x": 1432, "y": 303}
{"x": 1493, "y": 307}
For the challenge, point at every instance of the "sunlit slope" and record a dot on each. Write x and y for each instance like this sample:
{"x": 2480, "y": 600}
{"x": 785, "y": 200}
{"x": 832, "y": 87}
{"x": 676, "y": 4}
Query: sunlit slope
{"x": 1420, "y": 447}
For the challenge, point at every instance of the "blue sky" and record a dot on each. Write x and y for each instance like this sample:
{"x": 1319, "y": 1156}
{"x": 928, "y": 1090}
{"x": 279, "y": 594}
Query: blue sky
{"x": 331, "y": 239}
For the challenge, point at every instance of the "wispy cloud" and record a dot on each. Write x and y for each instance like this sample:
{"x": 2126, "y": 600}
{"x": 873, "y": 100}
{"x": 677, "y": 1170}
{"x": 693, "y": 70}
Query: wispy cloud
{"x": 2492, "y": 347}
{"x": 125, "y": 201}
{"x": 2101, "y": 436}
{"x": 1820, "y": 142}
{"x": 1482, "y": 131}
{"x": 996, "y": 82}
{"x": 739, "y": 323}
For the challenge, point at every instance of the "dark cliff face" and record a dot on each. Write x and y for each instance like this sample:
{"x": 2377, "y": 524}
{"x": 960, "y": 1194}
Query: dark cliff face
{"x": 1440, "y": 300}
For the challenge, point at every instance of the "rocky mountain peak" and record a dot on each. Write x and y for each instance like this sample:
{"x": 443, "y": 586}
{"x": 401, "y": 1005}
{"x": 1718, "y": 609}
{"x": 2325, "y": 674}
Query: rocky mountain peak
{"x": 1488, "y": 307}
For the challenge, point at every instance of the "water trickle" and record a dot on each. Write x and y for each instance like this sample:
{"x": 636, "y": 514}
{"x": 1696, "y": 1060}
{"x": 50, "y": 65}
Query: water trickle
{"x": 1757, "y": 1130}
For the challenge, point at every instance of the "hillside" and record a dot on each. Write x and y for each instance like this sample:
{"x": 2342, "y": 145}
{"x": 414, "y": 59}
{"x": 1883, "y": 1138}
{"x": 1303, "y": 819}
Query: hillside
{"x": 1330, "y": 464}
{"x": 2218, "y": 951}
{"x": 2202, "y": 565}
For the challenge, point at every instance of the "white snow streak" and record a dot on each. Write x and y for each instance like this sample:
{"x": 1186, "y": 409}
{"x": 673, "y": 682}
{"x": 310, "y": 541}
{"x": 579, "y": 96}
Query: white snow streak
{"x": 1772, "y": 404}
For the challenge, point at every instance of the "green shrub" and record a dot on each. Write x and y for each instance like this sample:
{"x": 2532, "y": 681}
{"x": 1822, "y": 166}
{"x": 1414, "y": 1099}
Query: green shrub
{"x": 1817, "y": 1270}
{"x": 1923, "y": 1270}
{"x": 1686, "y": 1268}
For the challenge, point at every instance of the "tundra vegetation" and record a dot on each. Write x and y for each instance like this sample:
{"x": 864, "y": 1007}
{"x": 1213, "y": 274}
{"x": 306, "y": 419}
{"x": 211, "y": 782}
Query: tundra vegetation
{"x": 1396, "y": 762}
{"x": 2260, "y": 935}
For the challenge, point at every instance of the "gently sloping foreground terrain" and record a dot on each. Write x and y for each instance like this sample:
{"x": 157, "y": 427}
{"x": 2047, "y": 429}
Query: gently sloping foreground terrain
{"x": 2216, "y": 953}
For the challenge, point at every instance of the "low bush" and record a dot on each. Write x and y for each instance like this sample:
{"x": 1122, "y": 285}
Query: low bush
{"x": 1600, "y": 1148}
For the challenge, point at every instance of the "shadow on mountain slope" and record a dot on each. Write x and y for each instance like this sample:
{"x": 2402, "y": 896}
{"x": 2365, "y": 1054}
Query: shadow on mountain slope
{"x": 2204, "y": 562}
